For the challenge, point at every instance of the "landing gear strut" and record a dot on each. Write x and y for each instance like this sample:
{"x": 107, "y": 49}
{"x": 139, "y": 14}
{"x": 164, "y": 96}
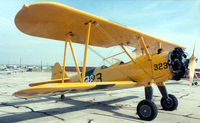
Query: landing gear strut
{"x": 146, "y": 109}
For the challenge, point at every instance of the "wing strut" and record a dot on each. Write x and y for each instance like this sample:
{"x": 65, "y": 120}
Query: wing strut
{"x": 159, "y": 45}
{"x": 114, "y": 55}
{"x": 86, "y": 49}
{"x": 74, "y": 57}
{"x": 143, "y": 45}
{"x": 64, "y": 60}
{"x": 127, "y": 53}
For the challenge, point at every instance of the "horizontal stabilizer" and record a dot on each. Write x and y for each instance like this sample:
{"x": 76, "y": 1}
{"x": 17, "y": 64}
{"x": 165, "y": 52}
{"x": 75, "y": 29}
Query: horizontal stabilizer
{"x": 62, "y": 88}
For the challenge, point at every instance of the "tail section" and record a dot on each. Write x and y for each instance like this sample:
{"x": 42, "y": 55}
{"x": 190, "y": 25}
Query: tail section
{"x": 57, "y": 72}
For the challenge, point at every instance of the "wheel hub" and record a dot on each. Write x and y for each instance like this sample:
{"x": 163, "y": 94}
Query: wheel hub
{"x": 168, "y": 103}
{"x": 145, "y": 111}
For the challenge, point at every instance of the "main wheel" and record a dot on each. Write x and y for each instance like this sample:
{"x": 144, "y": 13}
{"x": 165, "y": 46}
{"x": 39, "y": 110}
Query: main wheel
{"x": 169, "y": 104}
{"x": 147, "y": 110}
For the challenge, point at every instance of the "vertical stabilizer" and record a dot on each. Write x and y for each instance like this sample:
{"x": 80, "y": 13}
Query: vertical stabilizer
{"x": 57, "y": 72}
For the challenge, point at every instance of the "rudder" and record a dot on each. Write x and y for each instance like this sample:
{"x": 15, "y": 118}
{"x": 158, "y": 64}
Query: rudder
{"x": 57, "y": 72}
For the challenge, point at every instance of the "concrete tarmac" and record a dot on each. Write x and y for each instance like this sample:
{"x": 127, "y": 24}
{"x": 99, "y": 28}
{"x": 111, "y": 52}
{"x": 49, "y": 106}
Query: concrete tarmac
{"x": 117, "y": 106}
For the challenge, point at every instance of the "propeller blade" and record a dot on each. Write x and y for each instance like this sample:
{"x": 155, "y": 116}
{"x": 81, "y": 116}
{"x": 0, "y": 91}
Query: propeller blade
{"x": 192, "y": 65}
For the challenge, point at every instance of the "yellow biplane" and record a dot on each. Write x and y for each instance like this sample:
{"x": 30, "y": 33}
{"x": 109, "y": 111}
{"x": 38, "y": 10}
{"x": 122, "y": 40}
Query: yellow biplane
{"x": 157, "y": 62}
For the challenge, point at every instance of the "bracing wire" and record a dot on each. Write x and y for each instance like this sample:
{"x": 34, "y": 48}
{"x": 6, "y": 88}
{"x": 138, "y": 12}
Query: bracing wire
{"x": 99, "y": 55}
{"x": 112, "y": 39}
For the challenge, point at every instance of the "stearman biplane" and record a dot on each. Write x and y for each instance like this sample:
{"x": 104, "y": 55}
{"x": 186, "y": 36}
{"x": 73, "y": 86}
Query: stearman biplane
{"x": 158, "y": 61}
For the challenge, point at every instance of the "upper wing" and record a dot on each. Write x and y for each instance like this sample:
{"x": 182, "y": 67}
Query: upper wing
{"x": 55, "y": 21}
{"x": 55, "y": 89}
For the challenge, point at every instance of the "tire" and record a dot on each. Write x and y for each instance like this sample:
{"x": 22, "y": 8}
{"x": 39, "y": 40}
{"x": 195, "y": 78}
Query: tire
{"x": 62, "y": 96}
{"x": 147, "y": 110}
{"x": 169, "y": 104}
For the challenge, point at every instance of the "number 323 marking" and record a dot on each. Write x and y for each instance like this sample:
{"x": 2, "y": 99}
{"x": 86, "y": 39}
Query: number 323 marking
{"x": 161, "y": 66}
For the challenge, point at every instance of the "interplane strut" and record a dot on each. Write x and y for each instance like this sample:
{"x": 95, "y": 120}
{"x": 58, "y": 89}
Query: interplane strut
{"x": 86, "y": 51}
{"x": 64, "y": 61}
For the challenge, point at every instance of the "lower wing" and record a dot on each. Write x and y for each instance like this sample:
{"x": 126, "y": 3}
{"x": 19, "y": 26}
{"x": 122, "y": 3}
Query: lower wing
{"x": 66, "y": 80}
{"x": 62, "y": 88}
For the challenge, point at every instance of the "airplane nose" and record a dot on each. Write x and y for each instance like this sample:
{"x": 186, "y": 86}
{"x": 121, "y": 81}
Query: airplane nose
{"x": 178, "y": 63}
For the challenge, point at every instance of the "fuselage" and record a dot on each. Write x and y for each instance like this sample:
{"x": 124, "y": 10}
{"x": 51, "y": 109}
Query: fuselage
{"x": 142, "y": 70}
{"x": 158, "y": 69}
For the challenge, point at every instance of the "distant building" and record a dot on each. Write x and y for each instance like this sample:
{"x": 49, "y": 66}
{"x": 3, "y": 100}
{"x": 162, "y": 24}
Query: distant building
{"x": 73, "y": 68}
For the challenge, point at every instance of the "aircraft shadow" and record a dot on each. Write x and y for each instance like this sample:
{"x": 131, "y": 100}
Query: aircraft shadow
{"x": 77, "y": 106}
{"x": 45, "y": 99}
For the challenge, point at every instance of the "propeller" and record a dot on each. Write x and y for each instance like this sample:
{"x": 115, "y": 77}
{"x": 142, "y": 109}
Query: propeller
{"x": 192, "y": 64}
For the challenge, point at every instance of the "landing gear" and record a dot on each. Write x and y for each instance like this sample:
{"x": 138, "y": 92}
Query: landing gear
{"x": 170, "y": 103}
{"x": 146, "y": 109}
{"x": 62, "y": 96}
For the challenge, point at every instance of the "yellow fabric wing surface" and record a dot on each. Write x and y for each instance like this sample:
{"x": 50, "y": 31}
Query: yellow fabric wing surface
{"x": 66, "y": 80}
{"x": 55, "y": 21}
{"x": 55, "y": 89}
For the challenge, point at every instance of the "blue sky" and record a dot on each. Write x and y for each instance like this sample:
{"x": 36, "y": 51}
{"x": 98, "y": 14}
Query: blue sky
{"x": 177, "y": 21}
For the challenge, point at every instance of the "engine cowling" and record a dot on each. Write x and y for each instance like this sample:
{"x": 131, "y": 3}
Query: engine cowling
{"x": 178, "y": 63}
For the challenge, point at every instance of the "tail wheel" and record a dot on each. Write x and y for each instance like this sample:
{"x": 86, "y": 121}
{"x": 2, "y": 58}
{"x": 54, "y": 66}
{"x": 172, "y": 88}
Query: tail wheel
{"x": 147, "y": 110}
{"x": 62, "y": 96}
{"x": 169, "y": 104}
